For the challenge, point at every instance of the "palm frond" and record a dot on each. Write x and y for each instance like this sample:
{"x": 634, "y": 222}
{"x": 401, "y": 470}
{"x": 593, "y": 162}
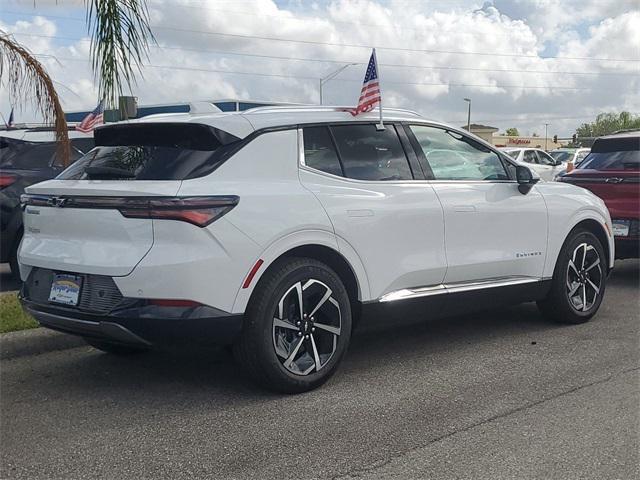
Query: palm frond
{"x": 28, "y": 82}
{"x": 120, "y": 36}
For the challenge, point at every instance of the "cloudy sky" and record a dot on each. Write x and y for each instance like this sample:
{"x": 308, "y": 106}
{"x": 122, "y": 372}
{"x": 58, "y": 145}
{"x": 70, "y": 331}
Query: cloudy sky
{"x": 522, "y": 62}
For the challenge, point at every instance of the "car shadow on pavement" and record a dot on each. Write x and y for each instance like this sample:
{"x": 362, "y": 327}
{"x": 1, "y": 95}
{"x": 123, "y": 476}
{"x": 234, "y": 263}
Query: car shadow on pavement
{"x": 210, "y": 375}
{"x": 201, "y": 377}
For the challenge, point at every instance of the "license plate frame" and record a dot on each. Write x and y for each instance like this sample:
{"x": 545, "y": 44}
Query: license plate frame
{"x": 621, "y": 227}
{"x": 65, "y": 289}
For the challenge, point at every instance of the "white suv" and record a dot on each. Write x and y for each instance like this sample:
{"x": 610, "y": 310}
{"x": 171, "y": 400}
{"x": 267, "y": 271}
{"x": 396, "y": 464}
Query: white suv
{"x": 540, "y": 161}
{"x": 277, "y": 228}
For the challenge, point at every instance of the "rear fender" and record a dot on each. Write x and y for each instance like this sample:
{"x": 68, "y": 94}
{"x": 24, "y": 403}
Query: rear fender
{"x": 299, "y": 239}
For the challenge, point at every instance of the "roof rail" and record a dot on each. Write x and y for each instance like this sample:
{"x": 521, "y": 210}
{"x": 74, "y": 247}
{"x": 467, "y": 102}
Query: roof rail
{"x": 625, "y": 130}
{"x": 319, "y": 108}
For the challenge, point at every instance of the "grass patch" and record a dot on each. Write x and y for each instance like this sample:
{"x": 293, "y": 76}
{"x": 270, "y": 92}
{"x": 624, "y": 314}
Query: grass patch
{"x": 12, "y": 317}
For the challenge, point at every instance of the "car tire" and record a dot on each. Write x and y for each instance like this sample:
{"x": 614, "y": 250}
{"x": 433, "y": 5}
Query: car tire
{"x": 288, "y": 348}
{"x": 13, "y": 257}
{"x": 579, "y": 280}
{"x": 114, "y": 348}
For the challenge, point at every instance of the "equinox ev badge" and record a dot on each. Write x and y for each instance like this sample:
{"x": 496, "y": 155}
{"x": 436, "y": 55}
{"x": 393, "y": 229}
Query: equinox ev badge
{"x": 56, "y": 201}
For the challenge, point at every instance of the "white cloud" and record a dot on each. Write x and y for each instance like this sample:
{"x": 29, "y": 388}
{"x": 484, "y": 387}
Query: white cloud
{"x": 518, "y": 28}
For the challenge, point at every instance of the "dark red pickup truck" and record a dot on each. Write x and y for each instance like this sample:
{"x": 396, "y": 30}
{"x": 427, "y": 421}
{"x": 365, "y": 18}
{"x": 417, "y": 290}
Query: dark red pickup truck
{"x": 612, "y": 171}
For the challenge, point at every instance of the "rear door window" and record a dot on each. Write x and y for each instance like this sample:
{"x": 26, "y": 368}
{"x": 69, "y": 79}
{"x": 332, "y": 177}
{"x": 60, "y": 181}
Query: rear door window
{"x": 371, "y": 154}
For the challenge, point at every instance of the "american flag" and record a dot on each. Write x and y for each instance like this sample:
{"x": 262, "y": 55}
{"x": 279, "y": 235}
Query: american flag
{"x": 90, "y": 122}
{"x": 370, "y": 93}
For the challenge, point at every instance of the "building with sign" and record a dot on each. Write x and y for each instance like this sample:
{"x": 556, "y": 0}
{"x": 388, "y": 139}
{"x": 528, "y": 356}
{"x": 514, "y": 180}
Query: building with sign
{"x": 489, "y": 134}
{"x": 523, "y": 142}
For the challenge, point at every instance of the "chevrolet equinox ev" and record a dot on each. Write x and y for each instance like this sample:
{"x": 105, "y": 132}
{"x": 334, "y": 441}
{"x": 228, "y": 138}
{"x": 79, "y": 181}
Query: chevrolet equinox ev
{"x": 276, "y": 229}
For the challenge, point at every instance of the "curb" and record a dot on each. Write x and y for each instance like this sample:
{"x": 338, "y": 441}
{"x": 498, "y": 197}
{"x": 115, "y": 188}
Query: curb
{"x": 35, "y": 341}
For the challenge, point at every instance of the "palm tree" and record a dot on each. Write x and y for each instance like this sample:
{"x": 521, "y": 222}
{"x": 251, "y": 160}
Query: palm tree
{"x": 120, "y": 36}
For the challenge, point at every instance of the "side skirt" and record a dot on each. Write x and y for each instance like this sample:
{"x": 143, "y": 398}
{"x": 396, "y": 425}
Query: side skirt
{"x": 448, "y": 302}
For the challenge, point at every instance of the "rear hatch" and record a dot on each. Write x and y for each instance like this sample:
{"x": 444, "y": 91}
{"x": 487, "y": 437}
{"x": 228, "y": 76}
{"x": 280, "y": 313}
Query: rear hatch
{"x": 96, "y": 217}
{"x": 620, "y": 189}
{"x": 612, "y": 172}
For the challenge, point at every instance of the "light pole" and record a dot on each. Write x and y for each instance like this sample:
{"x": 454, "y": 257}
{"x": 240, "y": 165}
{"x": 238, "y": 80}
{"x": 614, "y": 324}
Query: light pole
{"x": 333, "y": 75}
{"x": 546, "y": 125}
{"x": 468, "y": 100}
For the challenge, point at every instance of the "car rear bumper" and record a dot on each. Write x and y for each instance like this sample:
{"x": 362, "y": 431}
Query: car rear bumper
{"x": 142, "y": 325}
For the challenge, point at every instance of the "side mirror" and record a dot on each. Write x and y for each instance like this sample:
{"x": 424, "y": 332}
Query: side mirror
{"x": 525, "y": 179}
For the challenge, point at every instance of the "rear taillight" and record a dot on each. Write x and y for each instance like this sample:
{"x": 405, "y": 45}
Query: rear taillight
{"x": 7, "y": 179}
{"x": 199, "y": 211}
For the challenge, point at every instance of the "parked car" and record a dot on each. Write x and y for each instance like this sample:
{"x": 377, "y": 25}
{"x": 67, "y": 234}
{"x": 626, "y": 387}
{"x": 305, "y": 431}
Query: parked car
{"x": 27, "y": 156}
{"x": 612, "y": 171}
{"x": 539, "y": 160}
{"x": 564, "y": 155}
{"x": 278, "y": 229}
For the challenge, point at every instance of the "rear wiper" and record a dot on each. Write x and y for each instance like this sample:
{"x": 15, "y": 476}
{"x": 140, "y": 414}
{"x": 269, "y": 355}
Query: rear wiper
{"x": 109, "y": 172}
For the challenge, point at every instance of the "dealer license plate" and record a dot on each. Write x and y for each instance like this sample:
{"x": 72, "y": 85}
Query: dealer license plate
{"x": 65, "y": 289}
{"x": 621, "y": 228}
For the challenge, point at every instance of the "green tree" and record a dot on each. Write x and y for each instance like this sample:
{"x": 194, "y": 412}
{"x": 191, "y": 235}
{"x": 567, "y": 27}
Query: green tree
{"x": 120, "y": 36}
{"x": 512, "y": 132}
{"x": 606, "y": 123}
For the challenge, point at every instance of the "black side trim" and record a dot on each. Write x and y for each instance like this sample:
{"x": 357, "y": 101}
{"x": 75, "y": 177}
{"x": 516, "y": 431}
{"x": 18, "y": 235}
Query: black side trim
{"x": 454, "y": 303}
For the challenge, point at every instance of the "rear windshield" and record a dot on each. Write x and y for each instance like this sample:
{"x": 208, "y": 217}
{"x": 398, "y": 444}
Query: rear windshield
{"x": 25, "y": 155}
{"x": 614, "y": 154}
{"x": 18, "y": 154}
{"x": 160, "y": 151}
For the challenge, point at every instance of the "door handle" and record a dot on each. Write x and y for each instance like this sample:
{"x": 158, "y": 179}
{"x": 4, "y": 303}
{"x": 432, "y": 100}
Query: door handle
{"x": 464, "y": 208}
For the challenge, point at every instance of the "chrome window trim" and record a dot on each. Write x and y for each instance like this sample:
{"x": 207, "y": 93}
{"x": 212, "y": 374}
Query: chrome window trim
{"x": 304, "y": 166}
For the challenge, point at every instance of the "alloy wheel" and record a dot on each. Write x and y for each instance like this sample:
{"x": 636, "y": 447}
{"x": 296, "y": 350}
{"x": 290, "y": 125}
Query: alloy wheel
{"x": 306, "y": 327}
{"x": 584, "y": 277}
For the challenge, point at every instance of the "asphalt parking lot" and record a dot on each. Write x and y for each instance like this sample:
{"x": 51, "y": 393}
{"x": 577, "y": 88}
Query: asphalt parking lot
{"x": 500, "y": 394}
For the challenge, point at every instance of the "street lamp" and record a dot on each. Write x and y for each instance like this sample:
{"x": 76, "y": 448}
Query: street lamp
{"x": 546, "y": 125}
{"x": 333, "y": 75}
{"x": 468, "y": 100}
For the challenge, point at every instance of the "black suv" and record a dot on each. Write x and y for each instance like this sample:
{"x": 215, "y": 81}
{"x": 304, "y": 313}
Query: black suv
{"x": 26, "y": 157}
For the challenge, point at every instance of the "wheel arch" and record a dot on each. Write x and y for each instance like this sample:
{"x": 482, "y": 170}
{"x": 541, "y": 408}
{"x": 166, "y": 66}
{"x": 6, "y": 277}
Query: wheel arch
{"x": 595, "y": 227}
{"x": 343, "y": 261}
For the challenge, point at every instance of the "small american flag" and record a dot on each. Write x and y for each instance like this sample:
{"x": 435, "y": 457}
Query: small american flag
{"x": 92, "y": 120}
{"x": 370, "y": 94}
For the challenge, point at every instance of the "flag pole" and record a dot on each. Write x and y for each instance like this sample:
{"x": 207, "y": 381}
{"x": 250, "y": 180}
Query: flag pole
{"x": 380, "y": 126}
